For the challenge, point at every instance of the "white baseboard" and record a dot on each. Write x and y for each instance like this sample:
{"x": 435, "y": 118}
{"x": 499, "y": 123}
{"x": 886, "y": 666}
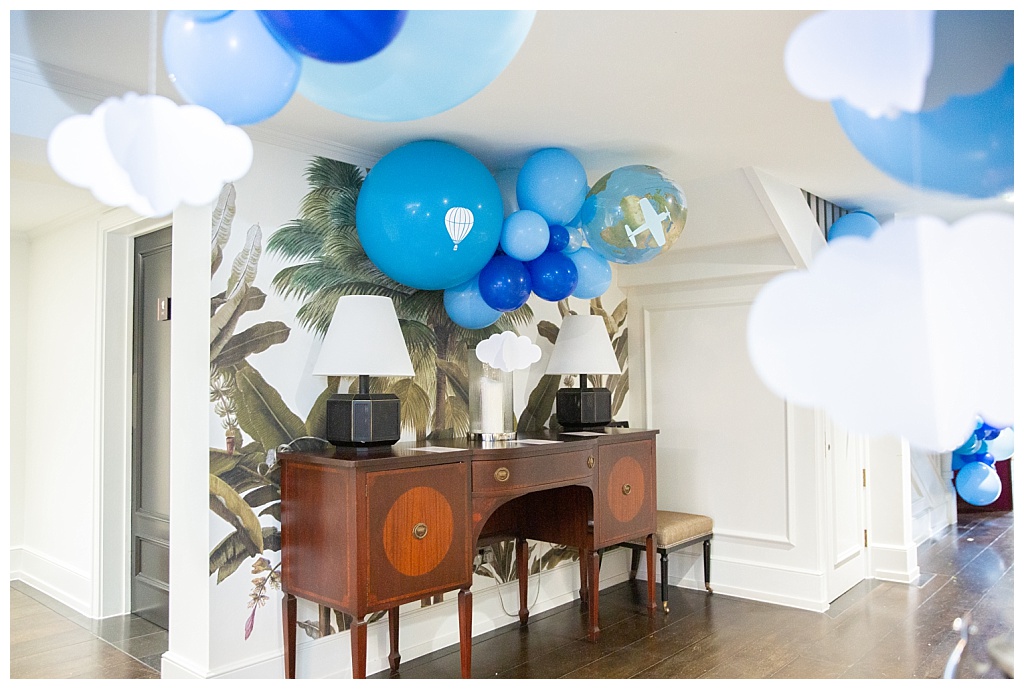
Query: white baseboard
{"x": 894, "y": 563}
{"x": 58, "y": 580}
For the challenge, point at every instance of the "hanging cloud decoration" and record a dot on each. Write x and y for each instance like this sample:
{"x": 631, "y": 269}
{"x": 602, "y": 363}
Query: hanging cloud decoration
{"x": 508, "y": 351}
{"x": 908, "y": 333}
{"x": 878, "y": 62}
{"x": 149, "y": 154}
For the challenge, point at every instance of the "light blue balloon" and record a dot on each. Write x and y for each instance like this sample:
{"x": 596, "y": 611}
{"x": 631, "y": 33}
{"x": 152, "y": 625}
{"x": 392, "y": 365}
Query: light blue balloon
{"x": 232, "y": 65}
{"x": 963, "y": 147}
{"x": 553, "y": 183}
{"x": 855, "y": 224}
{"x": 1001, "y": 447}
{"x": 970, "y": 446}
{"x": 595, "y": 273}
{"x": 439, "y": 59}
{"x": 524, "y": 235}
{"x": 429, "y": 215}
{"x": 575, "y": 239}
{"x": 467, "y": 308}
{"x": 978, "y": 484}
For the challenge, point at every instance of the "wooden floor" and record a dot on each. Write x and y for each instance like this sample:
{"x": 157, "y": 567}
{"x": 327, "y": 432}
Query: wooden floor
{"x": 876, "y": 630}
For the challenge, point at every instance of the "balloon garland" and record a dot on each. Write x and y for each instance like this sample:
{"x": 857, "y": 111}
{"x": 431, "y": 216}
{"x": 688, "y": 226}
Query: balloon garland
{"x": 976, "y": 479}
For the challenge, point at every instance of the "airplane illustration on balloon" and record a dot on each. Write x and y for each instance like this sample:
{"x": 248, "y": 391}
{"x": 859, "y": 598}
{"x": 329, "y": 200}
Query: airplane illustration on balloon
{"x": 652, "y": 222}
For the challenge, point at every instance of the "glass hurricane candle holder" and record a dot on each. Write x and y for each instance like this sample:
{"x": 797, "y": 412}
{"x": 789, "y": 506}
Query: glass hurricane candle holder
{"x": 490, "y": 402}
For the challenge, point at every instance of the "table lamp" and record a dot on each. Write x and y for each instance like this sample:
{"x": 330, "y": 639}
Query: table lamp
{"x": 364, "y": 339}
{"x": 583, "y": 347}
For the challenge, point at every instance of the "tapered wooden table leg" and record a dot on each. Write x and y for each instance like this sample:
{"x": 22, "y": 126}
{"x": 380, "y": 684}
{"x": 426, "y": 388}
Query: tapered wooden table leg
{"x": 289, "y": 620}
{"x": 358, "y": 638}
{"x": 523, "y": 572}
{"x": 466, "y": 632}
{"x": 652, "y": 603}
{"x": 595, "y": 574}
{"x": 394, "y": 658}
{"x": 584, "y": 556}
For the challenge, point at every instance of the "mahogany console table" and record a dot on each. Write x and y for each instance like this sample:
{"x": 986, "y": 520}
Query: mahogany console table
{"x": 367, "y": 530}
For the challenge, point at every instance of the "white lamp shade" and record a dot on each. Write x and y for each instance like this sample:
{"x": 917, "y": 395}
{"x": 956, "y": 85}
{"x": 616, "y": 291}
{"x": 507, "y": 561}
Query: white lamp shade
{"x": 582, "y": 347}
{"x": 364, "y": 338}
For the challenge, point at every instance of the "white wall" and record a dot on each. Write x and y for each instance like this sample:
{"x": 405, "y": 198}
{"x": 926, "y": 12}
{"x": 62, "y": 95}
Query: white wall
{"x": 18, "y": 418}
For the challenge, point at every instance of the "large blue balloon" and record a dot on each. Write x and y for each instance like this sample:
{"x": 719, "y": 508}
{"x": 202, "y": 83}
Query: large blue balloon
{"x": 438, "y": 60}
{"x": 231, "y": 65}
{"x": 978, "y": 484}
{"x": 553, "y": 275}
{"x": 334, "y": 35}
{"x": 964, "y": 147}
{"x": 525, "y": 235}
{"x": 553, "y": 183}
{"x": 595, "y": 273}
{"x": 855, "y": 224}
{"x": 633, "y": 213}
{"x": 467, "y": 308}
{"x": 505, "y": 283}
{"x": 429, "y": 215}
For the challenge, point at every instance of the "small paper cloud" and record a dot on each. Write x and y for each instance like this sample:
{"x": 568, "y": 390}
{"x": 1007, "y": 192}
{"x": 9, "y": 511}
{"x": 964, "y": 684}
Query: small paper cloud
{"x": 508, "y": 351}
{"x": 878, "y": 62}
{"x": 150, "y": 154}
{"x": 908, "y": 333}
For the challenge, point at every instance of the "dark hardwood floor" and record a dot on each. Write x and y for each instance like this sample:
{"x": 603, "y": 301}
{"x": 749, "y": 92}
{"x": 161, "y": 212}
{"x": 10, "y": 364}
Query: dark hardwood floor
{"x": 876, "y": 630}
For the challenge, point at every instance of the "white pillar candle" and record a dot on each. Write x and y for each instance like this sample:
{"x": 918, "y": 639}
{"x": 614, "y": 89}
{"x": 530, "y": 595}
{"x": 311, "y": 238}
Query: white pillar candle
{"x": 492, "y": 413}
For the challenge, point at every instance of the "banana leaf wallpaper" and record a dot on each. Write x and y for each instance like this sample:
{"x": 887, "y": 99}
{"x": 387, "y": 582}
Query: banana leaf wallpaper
{"x": 324, "y": 260}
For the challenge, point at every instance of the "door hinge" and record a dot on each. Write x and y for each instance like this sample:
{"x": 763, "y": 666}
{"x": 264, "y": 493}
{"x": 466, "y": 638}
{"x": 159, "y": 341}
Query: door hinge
{"x": 864, "y": 477}
{"x": 865, "y": 538}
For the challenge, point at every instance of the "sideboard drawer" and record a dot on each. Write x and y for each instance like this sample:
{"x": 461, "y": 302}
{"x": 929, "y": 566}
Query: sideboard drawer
{"x": 521, "y": 473}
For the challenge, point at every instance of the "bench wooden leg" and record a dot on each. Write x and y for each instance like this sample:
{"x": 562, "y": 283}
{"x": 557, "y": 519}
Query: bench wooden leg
{"x": 707, "y": 565}
{"x": 664, "y": 580}
{"x": 523, "y": 572}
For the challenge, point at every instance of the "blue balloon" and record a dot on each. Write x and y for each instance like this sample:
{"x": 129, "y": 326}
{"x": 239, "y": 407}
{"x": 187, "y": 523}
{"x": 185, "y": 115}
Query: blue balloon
{"x": 439, "y": 59}
{"x": 553, "y": 183}
{"x": 970, "y": 446}
{"x": 575, "y": 239}
{"x": 466, "y": 307}
{"x": 963, "y": 147}
{"x": 206, "y": 15}
{"x": 524, "y": 235}
{"x": 855, "y": 224}
{"x": 559, "y": 238}
{"x": 553, "y": 275}
{"x": 429, "y": 215}
{"x": 978, "y": 484}
{"x": 1001, "y": 446}
{"x": 595, "y": 273}
{"x": 334, "y": 35}
{"x": 232, "y": 65}
{"x": 505, "y": 283}
{"x": 983, "y": 457}
{"x": 633, "y": 213}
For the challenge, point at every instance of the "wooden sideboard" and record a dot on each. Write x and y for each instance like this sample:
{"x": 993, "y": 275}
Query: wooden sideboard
{"x": 367, "y": 530}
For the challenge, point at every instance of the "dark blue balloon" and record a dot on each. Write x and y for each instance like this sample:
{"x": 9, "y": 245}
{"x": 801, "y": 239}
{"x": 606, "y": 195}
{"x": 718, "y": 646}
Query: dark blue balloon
{"x": 963, "y": 147}
{"x": 334, "y": 35}
{"x": 554, "y": 275}
{"x": 559, "y": 238}
{"x": 958, "y": 461}
{"x": 984, "y": 458}
{"x": 505, "y": 283}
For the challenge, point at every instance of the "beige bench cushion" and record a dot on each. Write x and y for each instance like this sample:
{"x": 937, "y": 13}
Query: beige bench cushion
{"x": 677, "y": 527}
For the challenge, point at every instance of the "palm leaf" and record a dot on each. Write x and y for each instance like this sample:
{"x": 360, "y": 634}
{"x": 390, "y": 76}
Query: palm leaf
{"x": 548, "y": 330}
{"x": 229, "y": 505}
{"x": 414, "y": 404}
{"x": 253, "y": 340}
{"x": 458, "y": 378}
{"x": 538, "y": 407}
{"x": 261, "y": 412}
{"x": 243, "y": 268}
{"x": 223, "y": 322}
{"x": 223, "y": 215}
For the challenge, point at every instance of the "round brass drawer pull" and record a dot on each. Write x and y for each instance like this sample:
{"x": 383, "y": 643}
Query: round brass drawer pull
{"x": 626, "y": 488}
{"x": 590, "y": 462}
{"x": 501, "y": 475}
{"x": 419, "y": 531}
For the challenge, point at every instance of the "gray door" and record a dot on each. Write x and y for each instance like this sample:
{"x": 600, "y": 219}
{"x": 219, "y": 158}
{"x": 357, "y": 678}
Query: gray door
{"x": 151, "y": 427}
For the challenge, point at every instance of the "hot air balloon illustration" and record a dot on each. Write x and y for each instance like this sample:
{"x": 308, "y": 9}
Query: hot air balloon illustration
{"x": 459, "y": 222}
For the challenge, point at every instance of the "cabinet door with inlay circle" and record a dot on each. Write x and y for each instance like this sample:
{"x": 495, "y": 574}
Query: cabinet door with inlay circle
{"x": 417, "y": 531}
{"x": 627, "y": 503}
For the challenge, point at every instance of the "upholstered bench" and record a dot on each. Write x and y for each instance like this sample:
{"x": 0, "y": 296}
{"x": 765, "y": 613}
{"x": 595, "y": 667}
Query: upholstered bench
{"x": 676, "y": 530}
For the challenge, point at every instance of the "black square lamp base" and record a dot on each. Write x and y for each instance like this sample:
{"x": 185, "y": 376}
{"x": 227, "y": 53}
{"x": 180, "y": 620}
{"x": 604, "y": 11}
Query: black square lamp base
{"x": 363, "y": 420}
{"x": 576, "y": 408}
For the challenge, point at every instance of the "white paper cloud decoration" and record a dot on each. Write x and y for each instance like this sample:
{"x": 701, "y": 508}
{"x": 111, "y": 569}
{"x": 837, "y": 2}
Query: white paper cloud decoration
{"x": 508, "y": 351}
{"x": 150, "y": 154}
{"x": 908, "y": 333}
{"x": 877, "y": 61}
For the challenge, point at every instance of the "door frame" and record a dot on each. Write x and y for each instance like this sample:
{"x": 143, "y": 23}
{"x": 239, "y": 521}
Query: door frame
{"x": 117, "y": 229}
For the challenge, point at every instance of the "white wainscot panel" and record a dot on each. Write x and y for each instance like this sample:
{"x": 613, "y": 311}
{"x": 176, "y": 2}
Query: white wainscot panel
{"x": 722, "y": 448}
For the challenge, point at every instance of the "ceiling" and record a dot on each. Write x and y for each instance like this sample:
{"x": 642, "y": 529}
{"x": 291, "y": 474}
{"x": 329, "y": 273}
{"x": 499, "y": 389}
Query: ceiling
{"x": 694, "y": 93}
